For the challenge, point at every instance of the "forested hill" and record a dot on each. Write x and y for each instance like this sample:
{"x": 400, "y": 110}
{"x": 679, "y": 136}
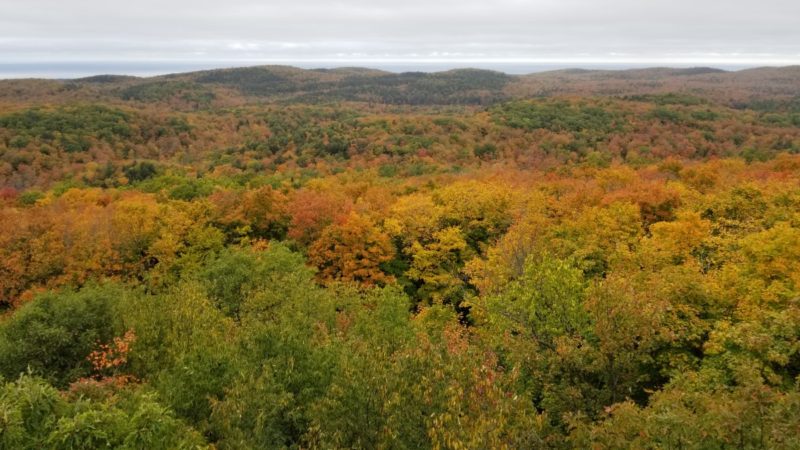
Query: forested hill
{"x": 279, "y": 258}
{"x": 761, "y": 87}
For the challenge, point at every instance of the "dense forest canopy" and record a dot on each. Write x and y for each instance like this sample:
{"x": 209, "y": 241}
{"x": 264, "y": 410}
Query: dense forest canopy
{"x": 272, "y": 257}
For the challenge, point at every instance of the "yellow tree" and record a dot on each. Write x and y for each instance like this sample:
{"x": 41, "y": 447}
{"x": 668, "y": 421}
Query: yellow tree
{"x": 259, "y": 212}
{"x": 483, "y": 211}
{"x": 414, "y": 217}
{"x": 436, "y": 265}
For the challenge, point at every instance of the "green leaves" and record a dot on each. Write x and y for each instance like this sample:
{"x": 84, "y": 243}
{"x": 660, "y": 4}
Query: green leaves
{"x": 558, "y": 116}
{"x": 545, "y": 303}
{"x": 70, "y": 127}
{"x": 33, "y": 415}
{"x": 53, "y": 334}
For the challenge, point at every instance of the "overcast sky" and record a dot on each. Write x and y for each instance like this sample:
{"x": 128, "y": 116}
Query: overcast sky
{"x": 588, "y": 31}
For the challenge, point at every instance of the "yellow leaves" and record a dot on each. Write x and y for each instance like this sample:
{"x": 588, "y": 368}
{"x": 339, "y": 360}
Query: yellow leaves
{"x": 614, "y": 230}
{"x": 673, "y": 242}
{"x": 715, "y": 344}
{"x": 616, "y": 178}
{"x": 480, "y": 411}
{"x": 186, "y": 237}
{"x": 478, "y": 207}
{"x": 71, "y": 238}
{"x": 625, "y": 319}
{"x": 762, "y": 268}
{"x": 413, "y": 217}
{"x": 80, "y": 197}
{"x": 448, "y": 240}
{"x": 597, "y": 236}
{"x": 774, "y": 255}
{"x": 686, "y": 232}
{"x": 437, "y": 264}
{"x": 262, "y": 210}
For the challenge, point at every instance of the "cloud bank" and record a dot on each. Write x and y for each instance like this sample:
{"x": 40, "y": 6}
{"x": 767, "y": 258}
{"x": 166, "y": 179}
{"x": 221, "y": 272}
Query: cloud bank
{"x": 633, "y": 31}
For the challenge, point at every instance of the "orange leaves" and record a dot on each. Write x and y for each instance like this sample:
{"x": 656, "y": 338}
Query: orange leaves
{"x": 657, "y": 202}
{"x": 311, "y": 211}
{"x": 111, "y": 357}
{"x": 90, "y": 233}
{"x": 261, "y": 212}
{"x": 352, "y": 249}
{"x": 68, "y": 239}
{"x": 108, "y": 362}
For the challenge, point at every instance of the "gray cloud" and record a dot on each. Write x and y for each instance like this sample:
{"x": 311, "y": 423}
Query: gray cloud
{"x": 678, "y": 31}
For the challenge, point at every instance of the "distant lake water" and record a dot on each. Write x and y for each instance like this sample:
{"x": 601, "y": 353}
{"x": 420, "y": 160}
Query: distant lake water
{"x": 65, "y": 70}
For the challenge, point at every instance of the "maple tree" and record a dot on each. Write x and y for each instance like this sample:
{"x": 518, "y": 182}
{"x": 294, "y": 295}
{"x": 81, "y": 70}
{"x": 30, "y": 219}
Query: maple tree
{"x": 352, "y": 249}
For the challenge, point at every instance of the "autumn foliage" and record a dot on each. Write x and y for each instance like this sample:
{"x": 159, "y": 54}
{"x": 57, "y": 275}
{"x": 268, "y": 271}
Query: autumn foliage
{"x": 183, "y": 267}
{"x": 352, "y": 249}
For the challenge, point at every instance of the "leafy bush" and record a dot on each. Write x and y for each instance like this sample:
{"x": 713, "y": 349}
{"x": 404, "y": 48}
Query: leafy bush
{"x": 37, "y": 416}
{"x": 53, "y": 334}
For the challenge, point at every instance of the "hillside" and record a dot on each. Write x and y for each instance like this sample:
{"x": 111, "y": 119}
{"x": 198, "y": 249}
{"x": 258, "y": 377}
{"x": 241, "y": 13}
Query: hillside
{"x": 761, "y": 87}
{"x": 764, "y": 87}
{"x": 271, "y": 257}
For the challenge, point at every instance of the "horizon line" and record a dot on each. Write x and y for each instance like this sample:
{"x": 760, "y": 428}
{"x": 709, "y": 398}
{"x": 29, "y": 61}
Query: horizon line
{"x": 74, "y": 69}
{"x": 636, "y": 61}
